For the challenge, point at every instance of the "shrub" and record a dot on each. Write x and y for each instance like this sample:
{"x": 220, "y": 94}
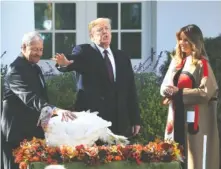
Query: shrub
{"x": 153, "y": 113}
{"x": 62, "y": 90}
{"x": 163, "y": 68}
{"x": 213, "y": 48}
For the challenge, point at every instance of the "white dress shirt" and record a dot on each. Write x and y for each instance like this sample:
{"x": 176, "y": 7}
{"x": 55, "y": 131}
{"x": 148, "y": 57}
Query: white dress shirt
{"x": 111, "y": 57}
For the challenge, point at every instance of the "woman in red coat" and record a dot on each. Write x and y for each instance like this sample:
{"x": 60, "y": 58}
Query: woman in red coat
{"x": 190, "y": 89}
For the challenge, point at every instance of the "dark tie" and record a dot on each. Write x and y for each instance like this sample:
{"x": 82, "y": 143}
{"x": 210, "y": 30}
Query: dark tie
{"x": 109, "y": 66}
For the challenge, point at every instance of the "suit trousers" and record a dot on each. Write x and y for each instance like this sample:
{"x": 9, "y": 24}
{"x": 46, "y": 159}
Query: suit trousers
{"x": 112, "y": 109}
{"x": 7, "y": 157}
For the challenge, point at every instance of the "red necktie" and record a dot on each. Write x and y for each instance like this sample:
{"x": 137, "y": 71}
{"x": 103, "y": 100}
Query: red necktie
{"x": 109, "y": 66}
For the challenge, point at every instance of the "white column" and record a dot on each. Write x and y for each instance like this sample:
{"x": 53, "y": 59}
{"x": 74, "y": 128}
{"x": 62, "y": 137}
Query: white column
{"x": 91, "y": 13}
{"x": 81, "y": 26}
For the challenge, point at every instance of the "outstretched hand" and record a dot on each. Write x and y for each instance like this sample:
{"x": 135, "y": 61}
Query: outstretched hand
{"x": 61, "y": 60}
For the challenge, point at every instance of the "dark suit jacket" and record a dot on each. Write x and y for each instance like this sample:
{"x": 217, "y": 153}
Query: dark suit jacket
{"x": 24, "y": 97}
{"x": 117, "y": 101}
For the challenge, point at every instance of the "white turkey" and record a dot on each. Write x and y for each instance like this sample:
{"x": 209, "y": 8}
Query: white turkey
{"x": 86, "y": 129}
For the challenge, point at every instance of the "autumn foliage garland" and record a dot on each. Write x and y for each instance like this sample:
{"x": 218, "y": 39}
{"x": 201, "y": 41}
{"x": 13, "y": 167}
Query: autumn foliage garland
{"x": 36, "y": 150}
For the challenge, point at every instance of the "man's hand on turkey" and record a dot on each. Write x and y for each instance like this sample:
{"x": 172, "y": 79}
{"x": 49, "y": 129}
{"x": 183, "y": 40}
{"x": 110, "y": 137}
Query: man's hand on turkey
{"x": 48, "y": 112}
{"x": 62, "y": 60}
{"x": 66, "y": 115}
{"x": 86, "y": 129}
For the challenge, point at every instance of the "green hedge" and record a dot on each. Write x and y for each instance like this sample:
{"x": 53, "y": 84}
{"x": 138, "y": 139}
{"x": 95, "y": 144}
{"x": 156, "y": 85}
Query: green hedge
{"x": 62, "y": 90}
{"x": 153, "y": 113}
{"x": 213, "y": 48}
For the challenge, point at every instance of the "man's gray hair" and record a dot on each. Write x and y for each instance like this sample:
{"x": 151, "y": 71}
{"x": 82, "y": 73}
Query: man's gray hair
{"x": 29, "y": 37}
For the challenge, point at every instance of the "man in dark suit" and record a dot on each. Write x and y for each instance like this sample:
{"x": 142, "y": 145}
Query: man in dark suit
{"x": 25, "y": 100}
{"x": 106, "y": 80}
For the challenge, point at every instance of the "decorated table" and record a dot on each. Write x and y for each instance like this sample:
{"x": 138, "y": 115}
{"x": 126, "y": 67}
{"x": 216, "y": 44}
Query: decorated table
{"x": 113, "y": 165}
{"x": 36, "y": 154}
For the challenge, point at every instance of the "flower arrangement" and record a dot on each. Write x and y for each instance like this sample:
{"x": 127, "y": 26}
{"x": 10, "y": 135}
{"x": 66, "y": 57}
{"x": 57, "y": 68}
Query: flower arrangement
{"x": 36, "y": 150}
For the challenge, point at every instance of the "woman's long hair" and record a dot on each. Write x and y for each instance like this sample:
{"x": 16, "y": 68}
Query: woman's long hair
{"x": 195, "y": 37}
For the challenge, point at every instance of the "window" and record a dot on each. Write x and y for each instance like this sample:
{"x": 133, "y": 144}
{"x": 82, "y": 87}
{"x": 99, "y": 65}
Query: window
{"x": 126, "y": 25}
{"x": 65, "y": 24}
{"x": 57, "y": 24}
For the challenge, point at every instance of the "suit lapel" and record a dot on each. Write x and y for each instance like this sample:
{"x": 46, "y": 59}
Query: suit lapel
{"x": 32, "y": 70}
{"x": 41, "y": 77}
{"x": 95, "y": 48}
{"x": 98, "y": 57}
{"x": 42, "y": 81}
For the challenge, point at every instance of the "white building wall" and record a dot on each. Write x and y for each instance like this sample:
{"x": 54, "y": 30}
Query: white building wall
{"x": 172, "y": 15}
{"x": 17, "y": 18}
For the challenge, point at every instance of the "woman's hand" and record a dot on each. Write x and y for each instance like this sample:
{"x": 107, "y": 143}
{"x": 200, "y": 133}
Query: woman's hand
{"x": 170, "y": 91}
{"x": 166, "y": 101}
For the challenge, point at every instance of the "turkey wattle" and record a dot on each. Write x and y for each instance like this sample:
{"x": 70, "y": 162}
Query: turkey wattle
{"x": 86, "y": 129}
